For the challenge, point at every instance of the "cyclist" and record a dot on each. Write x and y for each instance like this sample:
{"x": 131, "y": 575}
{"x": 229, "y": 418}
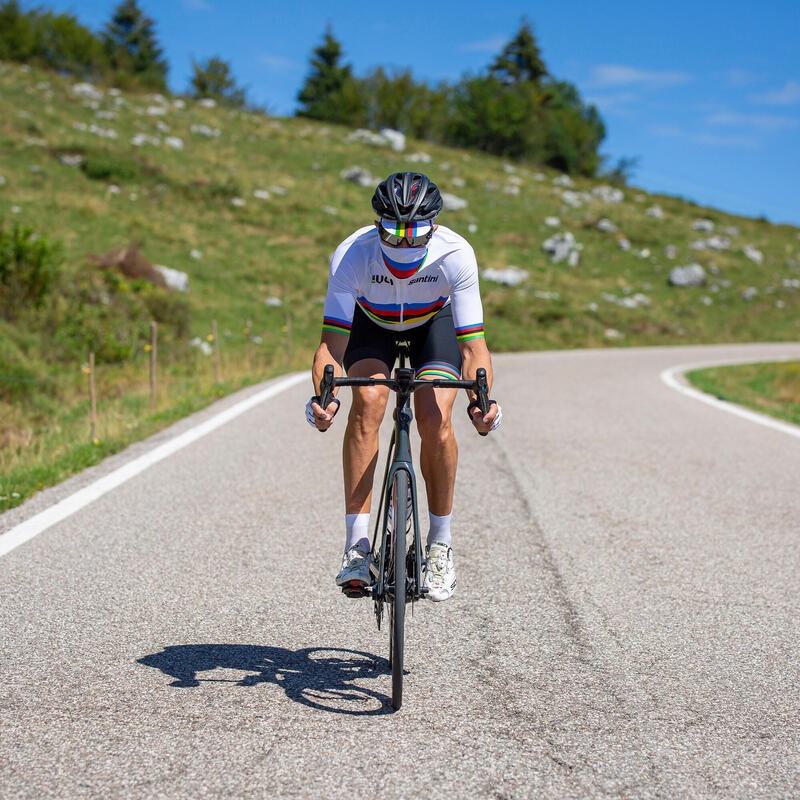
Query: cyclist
{"x": 404, "y": 278}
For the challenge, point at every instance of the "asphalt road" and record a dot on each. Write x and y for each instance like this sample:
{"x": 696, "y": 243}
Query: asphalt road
{"x": 626, "y": 622}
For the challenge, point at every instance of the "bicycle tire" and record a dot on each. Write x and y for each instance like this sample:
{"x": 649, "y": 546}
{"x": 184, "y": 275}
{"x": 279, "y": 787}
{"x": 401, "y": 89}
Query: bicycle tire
{"x": 398, "y": 615}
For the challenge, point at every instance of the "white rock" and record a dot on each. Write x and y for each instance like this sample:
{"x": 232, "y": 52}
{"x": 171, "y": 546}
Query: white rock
{"x": 606, "y": 226}
{"x": 115, "y": 92}
{"x": 34, "y": 141}
{"x": 706, "y": 300}
{"x": 207, "y": 102}
{"x": 238, "y": 202}
{"x": 453, "y": 203}
{"x": 180, "y": 104}
{"x": 656, "y": 212}
{"x": 175, "y": 142}
{"x": 87, "y": 91}
{"x": 261, "y": 194}
{"x": 71, "y": 160}
{"x": 204, "y": 130}
{"x": 196, "y": 254}
{"x": 644, "y": 253}
{"x": 113, "y": 188}
{"x": 592, "y": 307}
{"x": 80, "y": 126}
{"x": 444, "y": 165}
{"x": 670, "y": 251}
{"x": 273, "y": 302}
{"x": 571, "y": 198}
{"x": 510, "y": 169}
{"x": 142, "y": 139}
{"x": 174, "y": 278}
{"x": 105, "y": 115}
{"x": 749, "y": 293}
{"x": 543, "y": 295}
{"x": 515, "y": 180}
{"x": 704, "y": 225}
{"x": 396, "y": 139}
{"x": 366, "y": 136}
{"x": 718, "y": 243}
{"x": 133, "y": 197}
{"x": 459, "y": 183}
{"x": 205, "y": 347}
{"x": 613, "y": 333}
{"x": 756, "y": 256}
{"x": 332, "y": 210}
{"x": 639, "y": 198}
{"x": 623, "y": 244}
{"x": 155, "y": 111}
{"x": 510, "y": 276}
{"x": 3, "y": 180}
{"x": 103, "y": 133}
{"x": 779, "y": 304}
{"x": 690, "y": 275}
{"x": 552, "y": 222}
{"x": 472, "y": 228}
{"x": 358, "y": 175}
{"x": 608, "y": 194}
{"x": 539, "y": 176}
{"x": 563, "y": 180}
{"x": 731, "y": 230}
{"x": 791, "y": 283}
{"x": 422, "y": 158}
{"x": 698, "y": 244}
{"x": 278, "y": 190}
{"x": 573, "y": 258}
{"x": 560, "y": 246}
{"x": 162, "y": 126}
{"x": 511, "y": 189}
{"x": 15, "y": 209}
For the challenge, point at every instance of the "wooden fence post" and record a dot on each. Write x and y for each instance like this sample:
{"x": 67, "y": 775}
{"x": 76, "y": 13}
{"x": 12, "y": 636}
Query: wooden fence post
{"x": 92, "y": 399}
{"x": 217, "y": 370}
{"x": 153, "y": 342}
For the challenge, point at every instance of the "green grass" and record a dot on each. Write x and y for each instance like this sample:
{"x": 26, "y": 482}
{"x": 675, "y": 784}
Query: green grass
{"x": 175, "y": 201}
{"x": 771, "y": 388}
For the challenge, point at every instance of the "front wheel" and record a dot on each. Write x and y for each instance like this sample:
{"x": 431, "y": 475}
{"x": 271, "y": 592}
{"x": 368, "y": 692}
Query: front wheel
{"x": 397, "y": 570}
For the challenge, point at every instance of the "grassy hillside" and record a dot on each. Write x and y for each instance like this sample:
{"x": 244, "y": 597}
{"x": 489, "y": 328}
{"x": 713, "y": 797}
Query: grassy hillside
{"x": 98, "y": 173}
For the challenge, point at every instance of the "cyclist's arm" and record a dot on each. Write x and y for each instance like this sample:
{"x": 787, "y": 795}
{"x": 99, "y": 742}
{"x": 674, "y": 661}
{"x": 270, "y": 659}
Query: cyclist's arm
{"x": 330, "y": 351}
{"x": 474, "y": 354}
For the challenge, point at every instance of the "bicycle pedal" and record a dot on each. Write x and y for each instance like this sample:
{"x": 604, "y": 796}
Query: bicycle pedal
{"x": 355, "y": 589}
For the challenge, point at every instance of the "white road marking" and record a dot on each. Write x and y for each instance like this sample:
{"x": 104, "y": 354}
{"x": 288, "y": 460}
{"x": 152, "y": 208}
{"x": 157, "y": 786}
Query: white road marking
{"x": 669, "y": 377}
{"x": 69, "y": 505}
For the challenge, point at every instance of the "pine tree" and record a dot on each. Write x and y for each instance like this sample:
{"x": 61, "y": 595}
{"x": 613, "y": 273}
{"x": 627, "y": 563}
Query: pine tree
{"x": 331, "y": 92}
{"x": 520, "y": 59}
{"x": 132, "y": 46}
{"x": 214, "y": 79}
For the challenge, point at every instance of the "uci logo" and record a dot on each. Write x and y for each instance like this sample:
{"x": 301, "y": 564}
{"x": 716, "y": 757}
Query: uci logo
{"x": 382, "y": 279}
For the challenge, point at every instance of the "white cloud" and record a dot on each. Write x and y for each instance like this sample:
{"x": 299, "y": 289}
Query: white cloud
{"x": 607, "y": 75}
{"x": 615, "y": 101}
{"x": 197, "y": 5}
{"x": 787, "y": 96}
{"x": 762, "y": 122}
{"x": 279, "y": 62}
{"x": 490, "y": 45}
{"x": 738, "y": 77}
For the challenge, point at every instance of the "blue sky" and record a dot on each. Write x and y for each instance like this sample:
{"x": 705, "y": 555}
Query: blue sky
{"x": 705, "y": 95}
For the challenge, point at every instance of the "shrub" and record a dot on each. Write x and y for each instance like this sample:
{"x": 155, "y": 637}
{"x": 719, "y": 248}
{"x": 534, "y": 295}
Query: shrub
{"x": 104, "y": 166}
{"x": 29, "y": 265}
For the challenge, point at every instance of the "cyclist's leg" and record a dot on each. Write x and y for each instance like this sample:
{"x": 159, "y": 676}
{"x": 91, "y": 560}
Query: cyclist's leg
{"x": 435, "y": 354}
{"x": 370, "y": 353}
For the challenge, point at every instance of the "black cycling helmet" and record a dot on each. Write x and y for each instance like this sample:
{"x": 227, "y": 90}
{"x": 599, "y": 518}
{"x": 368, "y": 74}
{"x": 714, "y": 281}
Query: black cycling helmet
{"x": 406, "y": 197}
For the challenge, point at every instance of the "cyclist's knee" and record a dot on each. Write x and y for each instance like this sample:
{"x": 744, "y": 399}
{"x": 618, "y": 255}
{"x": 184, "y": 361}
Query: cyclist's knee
{"x": 369, "y": 406}
{"x": 433, "y": 425}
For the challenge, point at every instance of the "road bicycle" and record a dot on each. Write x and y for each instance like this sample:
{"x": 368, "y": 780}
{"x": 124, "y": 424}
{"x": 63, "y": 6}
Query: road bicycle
{"x": 398, "y": 569}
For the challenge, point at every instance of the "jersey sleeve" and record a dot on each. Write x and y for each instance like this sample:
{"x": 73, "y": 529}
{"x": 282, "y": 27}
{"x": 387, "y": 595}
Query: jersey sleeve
{"x": 340, "y": 301}
{"x": 465, "y": 297}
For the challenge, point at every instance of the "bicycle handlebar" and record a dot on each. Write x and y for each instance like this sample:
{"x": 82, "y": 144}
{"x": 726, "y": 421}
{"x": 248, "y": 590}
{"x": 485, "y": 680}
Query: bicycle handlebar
{"x": 405, "y": 384}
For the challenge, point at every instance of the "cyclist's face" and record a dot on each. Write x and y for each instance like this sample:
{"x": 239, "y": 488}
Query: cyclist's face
{"x": 402, "y": 244}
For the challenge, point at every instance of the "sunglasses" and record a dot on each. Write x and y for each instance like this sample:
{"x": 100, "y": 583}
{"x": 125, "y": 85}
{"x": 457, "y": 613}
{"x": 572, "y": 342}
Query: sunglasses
{"x": 416, "y": 234}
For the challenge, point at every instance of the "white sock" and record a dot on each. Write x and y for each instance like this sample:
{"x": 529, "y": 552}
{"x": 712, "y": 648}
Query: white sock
{"x": 440, "y": 529}
{"x": 357, "y": 531}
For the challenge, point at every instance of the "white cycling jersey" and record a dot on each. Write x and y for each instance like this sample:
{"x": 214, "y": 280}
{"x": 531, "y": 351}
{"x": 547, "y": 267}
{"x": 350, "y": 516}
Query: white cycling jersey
{"x": 360, "y": 273}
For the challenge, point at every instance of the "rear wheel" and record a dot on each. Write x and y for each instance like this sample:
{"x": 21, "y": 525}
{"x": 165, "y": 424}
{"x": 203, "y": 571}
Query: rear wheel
{"x": 397, "y": 569}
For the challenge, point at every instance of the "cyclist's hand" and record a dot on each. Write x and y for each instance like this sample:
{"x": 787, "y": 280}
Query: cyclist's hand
{"x": 319, "y": 418}
{"x": 490, "y": 422}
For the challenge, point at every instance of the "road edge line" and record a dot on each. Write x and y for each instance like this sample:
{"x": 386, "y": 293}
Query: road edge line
{"x": 668, "y": 376}
{"x": 26, "y": 530}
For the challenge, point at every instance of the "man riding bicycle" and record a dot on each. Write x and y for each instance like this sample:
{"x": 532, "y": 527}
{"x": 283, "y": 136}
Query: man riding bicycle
{"x": 403, "y": 279}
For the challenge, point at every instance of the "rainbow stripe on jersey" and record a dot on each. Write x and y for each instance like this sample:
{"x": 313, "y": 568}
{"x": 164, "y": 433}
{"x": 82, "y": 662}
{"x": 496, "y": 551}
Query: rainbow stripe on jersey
{"x": 335, "y": 325}
{"x": 400, "y": 269}
{"x": 437, "y": 369}
{"x": 469, "y": 332}
{"x": 413, "y": 313}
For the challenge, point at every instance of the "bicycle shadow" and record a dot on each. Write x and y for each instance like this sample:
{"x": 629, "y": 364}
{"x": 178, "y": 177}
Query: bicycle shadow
{"x": 319, "y": 677}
